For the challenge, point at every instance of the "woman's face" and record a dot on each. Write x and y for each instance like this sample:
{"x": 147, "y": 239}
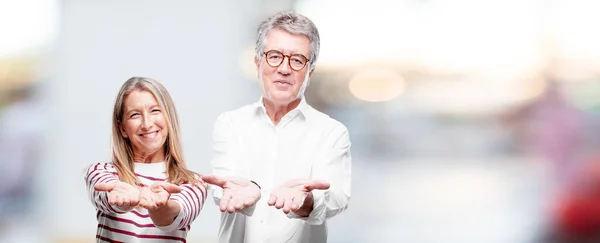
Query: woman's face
{"x": 144, "y": 124}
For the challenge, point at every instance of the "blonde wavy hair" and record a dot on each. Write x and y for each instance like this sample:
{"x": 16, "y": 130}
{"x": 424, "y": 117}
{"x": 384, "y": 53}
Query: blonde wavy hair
{"x": 122, "y": 152}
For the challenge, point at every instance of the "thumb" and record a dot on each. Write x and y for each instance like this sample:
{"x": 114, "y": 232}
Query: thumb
{"x": 317, "y": 185}
{"x": 105, "y": 187}
{"x": 212, "y": 179}
{"x": 171, "y": 188}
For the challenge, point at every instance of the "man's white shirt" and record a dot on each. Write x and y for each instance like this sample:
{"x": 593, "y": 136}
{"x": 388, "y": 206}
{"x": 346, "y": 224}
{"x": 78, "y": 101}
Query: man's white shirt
{"x": 305, "y": 144}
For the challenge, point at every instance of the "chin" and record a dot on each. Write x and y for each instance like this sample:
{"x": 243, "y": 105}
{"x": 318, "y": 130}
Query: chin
{"x": 283, "y": 97}
{"x": 155, "y": 146}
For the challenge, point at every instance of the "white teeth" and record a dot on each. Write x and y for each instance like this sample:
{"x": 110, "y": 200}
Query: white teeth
{"x": 150, "y": 135}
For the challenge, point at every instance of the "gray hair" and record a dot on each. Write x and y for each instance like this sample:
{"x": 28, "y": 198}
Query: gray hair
{"x": 293, "y": 23}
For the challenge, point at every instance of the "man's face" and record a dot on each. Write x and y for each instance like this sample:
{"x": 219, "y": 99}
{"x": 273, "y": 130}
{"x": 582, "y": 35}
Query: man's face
{"x": 283, "y": 84}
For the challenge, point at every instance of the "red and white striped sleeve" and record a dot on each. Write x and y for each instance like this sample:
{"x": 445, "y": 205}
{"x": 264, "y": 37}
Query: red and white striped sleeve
{"x": 191, "y": 200}
{"x": 101, "y": 173}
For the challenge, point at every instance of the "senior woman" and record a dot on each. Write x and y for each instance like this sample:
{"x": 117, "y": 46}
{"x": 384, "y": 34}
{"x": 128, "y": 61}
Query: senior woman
{"x": 145, "y": 192}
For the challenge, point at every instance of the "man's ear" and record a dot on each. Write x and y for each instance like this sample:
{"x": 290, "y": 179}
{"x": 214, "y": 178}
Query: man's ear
{"x": 310, "y": 73}
{"x": 257, "y": 64}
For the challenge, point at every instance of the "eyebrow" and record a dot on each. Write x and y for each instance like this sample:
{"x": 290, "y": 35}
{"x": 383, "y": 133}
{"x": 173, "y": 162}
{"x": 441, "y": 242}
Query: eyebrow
{"x": 127, "y": 112}
{"x": 284, "y": 52}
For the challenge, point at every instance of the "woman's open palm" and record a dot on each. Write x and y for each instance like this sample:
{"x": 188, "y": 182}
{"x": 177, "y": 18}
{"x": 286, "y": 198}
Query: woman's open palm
{"x": 120, "y": 194}
{"x": 157, "y": 195}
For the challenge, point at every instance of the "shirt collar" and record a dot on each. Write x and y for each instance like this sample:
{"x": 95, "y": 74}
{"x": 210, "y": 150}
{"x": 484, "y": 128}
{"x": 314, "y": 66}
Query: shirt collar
{"x": 303, "y": 108}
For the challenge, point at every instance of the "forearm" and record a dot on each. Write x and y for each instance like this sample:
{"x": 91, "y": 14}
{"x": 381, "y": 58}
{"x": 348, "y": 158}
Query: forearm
{"x": 336, "y": 169}
{"x": 320, "y": 205}
{"x": 165, "y": 215}
{"x": 190, "y": 200}
{"x": 97, "y": 174}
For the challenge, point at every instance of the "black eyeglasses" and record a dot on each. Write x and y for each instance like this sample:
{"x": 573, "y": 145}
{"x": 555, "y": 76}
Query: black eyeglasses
{"x": 296, "y": 61}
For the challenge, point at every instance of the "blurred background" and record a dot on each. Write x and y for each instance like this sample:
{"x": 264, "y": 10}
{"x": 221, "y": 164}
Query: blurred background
{"x": 471, "y": 120}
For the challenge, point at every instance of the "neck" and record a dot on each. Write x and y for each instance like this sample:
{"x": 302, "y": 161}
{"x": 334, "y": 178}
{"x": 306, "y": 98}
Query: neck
{"x": 143, "y": 157}
{"x": 276, "y": 111}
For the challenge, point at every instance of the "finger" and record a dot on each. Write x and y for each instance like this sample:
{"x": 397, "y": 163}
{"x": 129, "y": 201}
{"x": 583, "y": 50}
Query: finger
{"x": 317, "y": 185}
{"x": 112, "y": 198}
{"x": 224, "y": 202}
{"x": 160, "y": 202}
{"x": 279, "y": 203}
{"x": 295, "y": 204}
{"x": 118, "y": 200}
{"x": 171, "y": 188}
{"x": 134, "y": 199}
{"x": 104, "y": 187}
{"x": 296, "y": 182}
{"x": 272, "y": 200}
{"x": 238, "y": 205}
{"x": 248, "y": 203}
{"x": 149, "y": 205}
{"x": 127, "y": 201}
{"x": 212, "y": 179}
{"x": 287, "y": 205}
{"x": 231, "y": 206}
{"x": 143, "y": 203}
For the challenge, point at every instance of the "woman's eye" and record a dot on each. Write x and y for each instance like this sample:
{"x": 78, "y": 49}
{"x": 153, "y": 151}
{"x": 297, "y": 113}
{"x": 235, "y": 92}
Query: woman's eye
{"x": 155, "y": 110}
{"x": 134, "y": 115}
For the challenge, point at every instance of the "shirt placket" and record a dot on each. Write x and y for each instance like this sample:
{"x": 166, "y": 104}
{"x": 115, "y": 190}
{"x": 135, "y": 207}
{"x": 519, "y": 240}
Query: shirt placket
{"x": 271, "y": 166}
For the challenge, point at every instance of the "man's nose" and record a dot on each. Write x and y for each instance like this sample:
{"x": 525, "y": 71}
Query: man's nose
{"x": 284, "y": 68}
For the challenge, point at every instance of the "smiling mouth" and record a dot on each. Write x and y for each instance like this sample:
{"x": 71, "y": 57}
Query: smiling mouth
{"x": 282, "y": 82}
{"x": 149, "y": 134}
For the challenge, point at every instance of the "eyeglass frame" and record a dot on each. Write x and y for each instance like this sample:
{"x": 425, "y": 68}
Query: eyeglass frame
{"x": 284, "y": 56}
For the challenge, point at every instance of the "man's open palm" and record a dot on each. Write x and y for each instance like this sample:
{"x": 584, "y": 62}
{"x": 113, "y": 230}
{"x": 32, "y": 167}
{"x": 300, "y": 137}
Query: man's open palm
{"x": 290, "y": 195}
{"x": 238, "y": 193}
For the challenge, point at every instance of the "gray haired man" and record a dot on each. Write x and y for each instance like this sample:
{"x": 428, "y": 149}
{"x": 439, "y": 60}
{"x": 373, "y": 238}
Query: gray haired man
{"x": 281, "y": 167}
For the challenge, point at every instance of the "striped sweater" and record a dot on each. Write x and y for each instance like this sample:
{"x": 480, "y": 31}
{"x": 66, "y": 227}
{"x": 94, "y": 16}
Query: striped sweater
{"x": 116, "y": 225}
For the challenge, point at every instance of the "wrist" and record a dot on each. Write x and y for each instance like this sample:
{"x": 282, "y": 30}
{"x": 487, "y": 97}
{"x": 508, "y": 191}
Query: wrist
{"x": 165, "y": 214}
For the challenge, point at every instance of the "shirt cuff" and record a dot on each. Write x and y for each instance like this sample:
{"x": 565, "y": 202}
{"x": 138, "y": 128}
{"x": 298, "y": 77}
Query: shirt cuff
{"x": 317, "y": 215}
{"x": 175, "y": 225}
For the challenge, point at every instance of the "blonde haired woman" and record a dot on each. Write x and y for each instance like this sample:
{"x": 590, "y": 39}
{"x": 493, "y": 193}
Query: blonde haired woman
{"x": 146, "y": 192}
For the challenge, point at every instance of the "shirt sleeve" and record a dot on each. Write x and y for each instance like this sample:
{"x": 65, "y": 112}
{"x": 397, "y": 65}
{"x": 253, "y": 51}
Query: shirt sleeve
{"x": 101, "y": 173}
{"x": 226, "y": 157}
{"x": 191, "y": 200}
{"x": 335, "y": 168}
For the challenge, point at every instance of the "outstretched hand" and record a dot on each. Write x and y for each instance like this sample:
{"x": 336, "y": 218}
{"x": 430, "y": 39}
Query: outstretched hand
{"x": 157, "y": 195}
{"x": 290, "y": 196}
{"x": 238, "y": 193}
{"x": 120, "y": 194}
